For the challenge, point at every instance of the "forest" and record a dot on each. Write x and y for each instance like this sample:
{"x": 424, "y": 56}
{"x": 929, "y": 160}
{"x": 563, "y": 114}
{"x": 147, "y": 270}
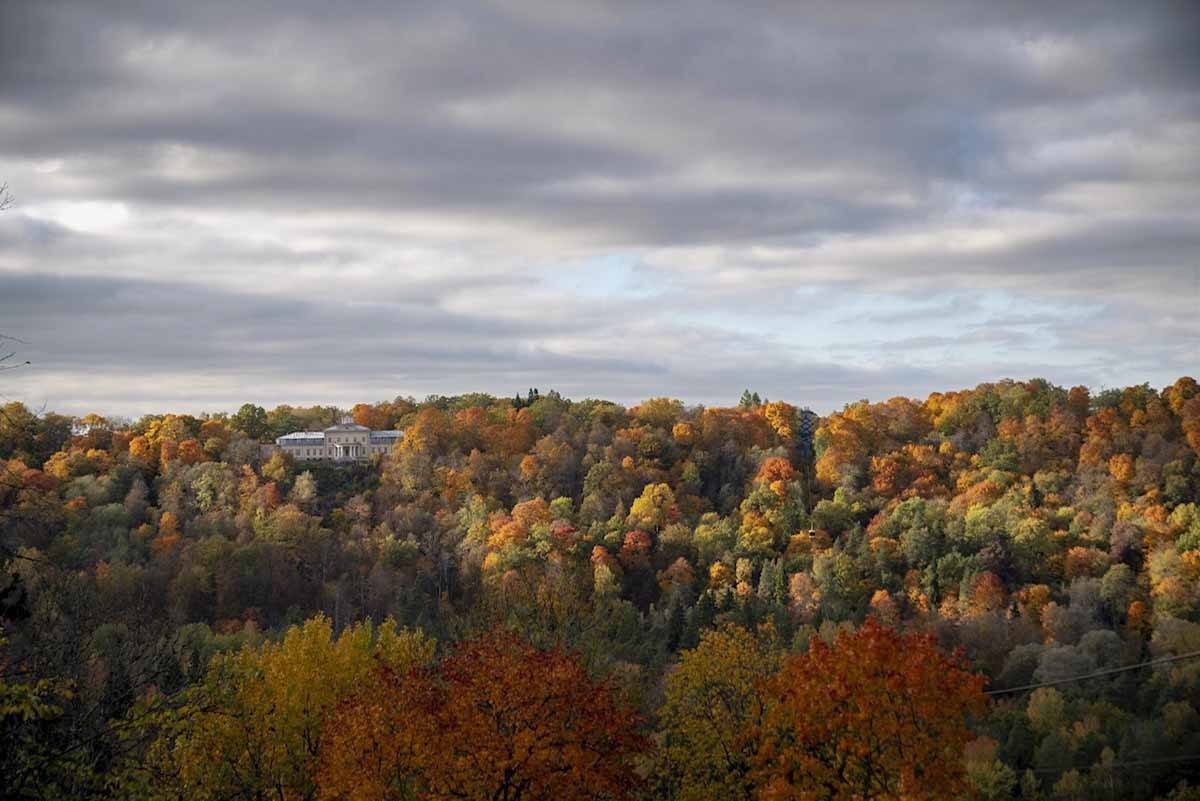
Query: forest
{"x": 990, "y": 593}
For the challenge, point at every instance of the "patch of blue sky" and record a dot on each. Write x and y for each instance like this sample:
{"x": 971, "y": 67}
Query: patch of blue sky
{"x": 610, "y": 275}
{"x": 869, "y": 328}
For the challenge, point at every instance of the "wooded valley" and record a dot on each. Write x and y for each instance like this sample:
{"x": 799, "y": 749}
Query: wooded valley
{"x": 988, "y": 594}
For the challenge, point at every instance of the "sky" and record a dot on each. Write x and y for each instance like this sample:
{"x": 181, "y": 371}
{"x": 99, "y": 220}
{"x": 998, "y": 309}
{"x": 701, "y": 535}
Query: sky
{"x": 316, "y": 202}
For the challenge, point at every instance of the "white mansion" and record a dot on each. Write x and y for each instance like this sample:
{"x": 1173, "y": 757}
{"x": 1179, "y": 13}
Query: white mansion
{"x": 344, "y": 442}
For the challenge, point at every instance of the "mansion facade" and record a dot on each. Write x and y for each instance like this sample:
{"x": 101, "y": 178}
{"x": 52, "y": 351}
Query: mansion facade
{"x": 344, "y": 442}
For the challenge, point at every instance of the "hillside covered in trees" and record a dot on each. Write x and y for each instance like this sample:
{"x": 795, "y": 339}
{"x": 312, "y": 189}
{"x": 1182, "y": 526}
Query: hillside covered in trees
{"x": 991, "y": 593}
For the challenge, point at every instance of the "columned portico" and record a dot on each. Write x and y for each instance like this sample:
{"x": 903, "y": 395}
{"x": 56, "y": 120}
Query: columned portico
{"x": 349, "y": 451}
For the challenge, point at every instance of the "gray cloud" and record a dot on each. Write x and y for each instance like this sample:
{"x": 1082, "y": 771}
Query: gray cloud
{"x": 385, "y": 195}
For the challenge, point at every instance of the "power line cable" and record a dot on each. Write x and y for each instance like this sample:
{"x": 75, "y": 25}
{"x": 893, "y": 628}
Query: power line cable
{"x": 1098, "y": 674}
{"x": 1131, "y": 764}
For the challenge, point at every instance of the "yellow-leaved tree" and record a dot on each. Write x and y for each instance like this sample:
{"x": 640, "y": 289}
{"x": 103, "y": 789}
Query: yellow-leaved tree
{"x": 654, "y": 508}
{"x": 713, "y": 708}
{"x": 252, "y": 728}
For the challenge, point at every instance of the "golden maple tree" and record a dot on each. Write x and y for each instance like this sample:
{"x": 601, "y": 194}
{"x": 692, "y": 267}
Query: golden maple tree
{"x": 713, "y": 707}
{"x": 252, "y": 728}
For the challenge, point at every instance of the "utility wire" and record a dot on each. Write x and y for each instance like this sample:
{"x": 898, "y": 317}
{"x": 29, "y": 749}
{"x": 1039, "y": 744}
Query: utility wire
{"x": 1098, "y": 674}
{"x": 1131, "y": 764}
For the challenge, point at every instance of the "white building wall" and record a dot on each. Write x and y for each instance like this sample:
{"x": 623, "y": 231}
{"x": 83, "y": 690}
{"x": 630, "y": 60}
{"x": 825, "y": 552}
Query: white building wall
{"x": 338, "y": 443}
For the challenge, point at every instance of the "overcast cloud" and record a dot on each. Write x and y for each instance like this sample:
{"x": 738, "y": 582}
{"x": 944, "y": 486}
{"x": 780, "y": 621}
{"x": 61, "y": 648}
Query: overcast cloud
{"x": 336, "y": 202}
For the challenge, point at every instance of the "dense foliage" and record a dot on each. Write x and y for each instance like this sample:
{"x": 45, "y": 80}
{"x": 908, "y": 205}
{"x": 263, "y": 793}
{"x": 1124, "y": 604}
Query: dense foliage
{"x": 535, "y": 594}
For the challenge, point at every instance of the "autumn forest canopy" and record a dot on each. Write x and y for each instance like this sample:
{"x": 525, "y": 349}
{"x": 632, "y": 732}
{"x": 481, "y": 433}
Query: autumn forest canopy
{"x": 992, "y": 593}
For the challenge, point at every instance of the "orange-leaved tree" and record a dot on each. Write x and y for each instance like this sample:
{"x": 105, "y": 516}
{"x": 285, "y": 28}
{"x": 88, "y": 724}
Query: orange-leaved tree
{"x": 498, "y": 719}
{"x": 375, "y": 745}
{"x": 877, "y": 715}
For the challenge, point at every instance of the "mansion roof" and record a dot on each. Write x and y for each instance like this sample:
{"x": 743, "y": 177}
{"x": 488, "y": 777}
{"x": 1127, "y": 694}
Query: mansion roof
{"x": 347, "y": 427}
